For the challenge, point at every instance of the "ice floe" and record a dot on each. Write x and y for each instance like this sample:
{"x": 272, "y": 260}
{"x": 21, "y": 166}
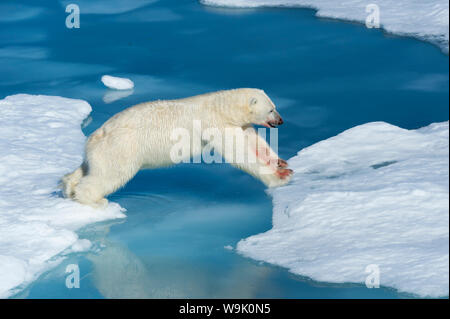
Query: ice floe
{"x": 375, "y": 194}
{"x": 40, "y": 141}
{"x": 117, "y": 83}
{"x": 426, "y": 20}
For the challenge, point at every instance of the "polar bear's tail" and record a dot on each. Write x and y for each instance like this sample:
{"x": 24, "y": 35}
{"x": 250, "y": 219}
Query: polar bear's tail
{"x": 69, "y": 181}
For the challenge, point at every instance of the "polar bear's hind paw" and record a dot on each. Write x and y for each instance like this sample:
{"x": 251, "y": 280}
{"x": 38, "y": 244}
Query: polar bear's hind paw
{"x": 101, "y": 204}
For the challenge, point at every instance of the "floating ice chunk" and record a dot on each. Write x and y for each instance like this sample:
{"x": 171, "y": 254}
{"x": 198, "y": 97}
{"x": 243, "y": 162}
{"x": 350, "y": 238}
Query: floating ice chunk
{"x": 117, "y": 83}
{"x": 41, "y": 140}
{"x": 423, "y": 19}
{"x": 374, "y": 194}
{"x": 112, "y": 96}
{"x": 80, "y": 245}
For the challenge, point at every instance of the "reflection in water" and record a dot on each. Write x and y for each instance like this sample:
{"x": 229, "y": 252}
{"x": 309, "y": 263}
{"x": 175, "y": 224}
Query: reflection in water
{"x": 111, "y": 96}
{"x": 119, "y": 273}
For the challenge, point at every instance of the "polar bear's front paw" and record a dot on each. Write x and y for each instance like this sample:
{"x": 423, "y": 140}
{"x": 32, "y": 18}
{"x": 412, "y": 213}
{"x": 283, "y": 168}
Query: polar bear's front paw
{"x": 282, "y": 163}
{"x": 280, "y": 177}
{"x": 284, "y": 173}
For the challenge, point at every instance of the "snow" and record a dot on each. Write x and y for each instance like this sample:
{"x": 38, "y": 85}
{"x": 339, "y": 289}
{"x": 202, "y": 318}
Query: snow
{"x": 375, "y": 194}
{"x": 426, "y": 20}
{"x": 117, "y": 83}
{"x": 40, "y": 141}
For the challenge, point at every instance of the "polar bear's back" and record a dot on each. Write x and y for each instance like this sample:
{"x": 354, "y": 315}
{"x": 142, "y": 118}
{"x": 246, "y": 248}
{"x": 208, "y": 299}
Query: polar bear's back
{"x": 141, "y": 132}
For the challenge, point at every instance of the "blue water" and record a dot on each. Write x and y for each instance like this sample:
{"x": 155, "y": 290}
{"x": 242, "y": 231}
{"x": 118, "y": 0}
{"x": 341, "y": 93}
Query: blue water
{"x": 325, "y": 76}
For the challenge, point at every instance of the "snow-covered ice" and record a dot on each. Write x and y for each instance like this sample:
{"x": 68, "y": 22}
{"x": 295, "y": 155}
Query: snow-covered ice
{"x": 40, "y": 141}
{"x": 117, "y": 83}
{"x": 426, "y": 20}
{"x": 374, "y": 194}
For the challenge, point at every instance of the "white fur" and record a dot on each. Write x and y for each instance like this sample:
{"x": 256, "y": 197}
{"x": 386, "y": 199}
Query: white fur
{"x": 140, "y": 137}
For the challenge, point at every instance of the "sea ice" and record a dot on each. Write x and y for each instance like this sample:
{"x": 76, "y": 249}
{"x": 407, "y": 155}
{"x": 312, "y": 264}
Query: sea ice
{"x": 375, "y": 194}
{"x": 426, "y": 20}
{"x": 117, "y": 83}
{"x": 41, "y": 140}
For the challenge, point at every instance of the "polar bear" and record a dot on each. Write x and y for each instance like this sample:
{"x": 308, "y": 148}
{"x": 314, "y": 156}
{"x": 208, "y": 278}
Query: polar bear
{"x": 141, "y": 137}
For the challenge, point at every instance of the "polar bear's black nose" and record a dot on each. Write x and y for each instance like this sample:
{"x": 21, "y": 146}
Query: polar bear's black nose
{"x": 280, "y": 121}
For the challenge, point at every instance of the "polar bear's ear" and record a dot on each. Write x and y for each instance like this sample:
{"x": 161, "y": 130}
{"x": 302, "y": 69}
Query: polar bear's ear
{"x": 253, "y": 101}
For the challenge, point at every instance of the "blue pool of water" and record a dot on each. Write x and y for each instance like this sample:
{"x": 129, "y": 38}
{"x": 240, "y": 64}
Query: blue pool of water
{"x": 325, "y": 76}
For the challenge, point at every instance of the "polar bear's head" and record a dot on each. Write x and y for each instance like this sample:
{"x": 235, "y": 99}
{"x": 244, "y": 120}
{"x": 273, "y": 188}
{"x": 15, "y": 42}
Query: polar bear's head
{"x": 262, "y": 110}
{"x": 243, "y": 107}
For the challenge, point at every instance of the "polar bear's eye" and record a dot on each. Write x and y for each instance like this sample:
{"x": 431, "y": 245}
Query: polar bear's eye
{"x": 253, "y": 101}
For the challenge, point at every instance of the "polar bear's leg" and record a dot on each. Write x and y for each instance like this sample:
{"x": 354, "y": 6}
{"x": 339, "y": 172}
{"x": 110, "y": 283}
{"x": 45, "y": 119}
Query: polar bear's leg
{"x": 272, "y": 169}
{"x": 259, "y": 160}
{"x": 103, "y": 178}
{"x": 267, "y": 174}
{"x": 111, "y": 160}
{"x": 90, "y": 191}
{"x": 69, "y": 181}
{"x": 93, "y": 188}
{"x": 262, "y": 150}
